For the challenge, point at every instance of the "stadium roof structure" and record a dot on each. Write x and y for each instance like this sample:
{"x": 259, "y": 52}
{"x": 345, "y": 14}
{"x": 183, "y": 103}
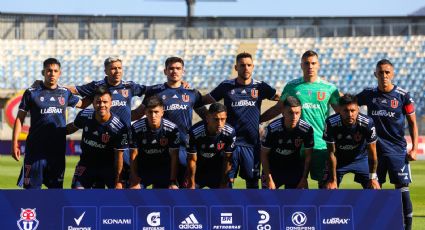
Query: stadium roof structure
{"x": 190, "y": 7}
{"x": 420, "y": 12}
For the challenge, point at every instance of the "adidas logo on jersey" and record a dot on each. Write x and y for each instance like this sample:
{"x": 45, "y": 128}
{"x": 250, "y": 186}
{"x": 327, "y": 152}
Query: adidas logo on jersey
{"x": 115, "y": 92}
{"x": 96, "y": 133}
{"x": 190, "y": 223}
{"x": 154, "y": 142}
{"x": 175, "y": 96}
{"x": 52, "y": 99}
{"x": 349, "y": 137}
{"x": 243, "y": 92}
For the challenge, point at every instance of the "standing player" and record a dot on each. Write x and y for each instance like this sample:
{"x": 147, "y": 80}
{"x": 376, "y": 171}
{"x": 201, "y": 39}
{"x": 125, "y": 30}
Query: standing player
{"x": 351, "y": 142}
{"x": 280, "y": 151}
{"x": 103, "y": 134}
{"x": 155, "y": 161}
{"x": 388, "y": 105}
{"x": 315, "y": 95}
{"x": 210, "y": 148}
{"x": 242, "y": 97}
{"x": 44, "y": 161}
{"x": 179, "y": 103}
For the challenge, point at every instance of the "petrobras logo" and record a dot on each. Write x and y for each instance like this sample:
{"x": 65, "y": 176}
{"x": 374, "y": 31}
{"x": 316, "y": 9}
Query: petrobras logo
{"x": 243, "y": 103}
{"x": 118, "y": 103}
{"x": 118, "y": 221}
{"x": 51, "y": 110}
{"x": 190, "y": 223}
{"x": 263, "y": 223}
{"x": 28, "y": 220}
{"x": 175, "y": 107}
{"x": 335, "y": 220}
{"x": 154, "y": 221}
{"x": 226, "y": 222}
{"x": 310, "y": 106}
{"x": 383, "y": 113}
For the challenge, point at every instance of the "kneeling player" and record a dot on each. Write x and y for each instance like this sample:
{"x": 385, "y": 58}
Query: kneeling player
{"x": 155, "y": 161}
{"x": 351, "y": 142}
{"x": 211, "y": 144}
{"x": 280, "y": 150}
{"x": 103, "y": 133}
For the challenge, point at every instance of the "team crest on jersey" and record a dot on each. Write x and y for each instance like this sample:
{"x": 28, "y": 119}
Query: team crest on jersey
{"x": 220, "y": 146}
{"x": 61, "y": 100}
{"x": 298, "y": 142}
{"x": 185, "y": 98}
{"x": 321, "y": 96}
{"x": 105, "y": 137}
{"x": 41, "y": 99}
{"x": 254, "y": 93}
{"x": 163, "y": 141}
{"x": 28, "y": 219}
{"x": 124, "y": 92}
{"x": 394, "y": 103}
{"x": 357, "y": 137}
{"x": 232, "y": 91}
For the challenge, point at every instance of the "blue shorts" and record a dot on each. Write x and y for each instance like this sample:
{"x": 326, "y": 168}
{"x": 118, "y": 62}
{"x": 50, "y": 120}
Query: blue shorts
{"x": 360, "y": 169}
{"x": 246, "y": 161}
{"x": 290, "y": 177}
{"x": 397, "y": 166}
{"x": 93, "y": 177}
{"x": 35, "y": 173}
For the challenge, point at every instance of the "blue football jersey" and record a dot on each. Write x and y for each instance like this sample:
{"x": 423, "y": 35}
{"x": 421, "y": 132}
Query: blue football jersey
{"x": 154, "y": 145}
{"x": 178, "y": 105}
{"x": 99, "y": 140}
{"x": 388, "y": 111}
{"x": 243, "y": 104}
{"x": 47, "y": 133}
{"x": 121, "y": 96}
{"x": 350, "y": 141}
{"x": 285, "y": 145}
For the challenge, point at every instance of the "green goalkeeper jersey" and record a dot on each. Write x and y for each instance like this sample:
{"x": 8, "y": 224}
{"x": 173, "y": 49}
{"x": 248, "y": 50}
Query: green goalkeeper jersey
{"x": 315, "y": 98}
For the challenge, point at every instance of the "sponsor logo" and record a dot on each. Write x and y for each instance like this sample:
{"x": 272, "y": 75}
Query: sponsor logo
{"x": 118, "y": 103}
{"x": 299, "y": 219}
{"x": 226, "y": 218}
{"x": 123, "y": 221}
{"x": 78, "y": 222}
{"x": 153, "y": 151}
{"x": 263, "y": 223}
{"x": 207, "y": 155}
{"x": 93, "y": 143}
{"x": 154, "y": 221}
{"x": 50, "y": 110}
{"x": 28, "y": 219}
{"x": 284, "y": 152}
{"x": 383, "y": 113}
{"x": 175, "y": 107}
{"x": 357, "y": 136}
{"x": 226, "y": 221}
{"x": 347, "y": 147}
{"x": 243, "y": 103}
{"x": 190, "y": 223}
{"x": 52, "y": 99}
{"x": 310, "y": 106}
{"x": 335, "y": 220}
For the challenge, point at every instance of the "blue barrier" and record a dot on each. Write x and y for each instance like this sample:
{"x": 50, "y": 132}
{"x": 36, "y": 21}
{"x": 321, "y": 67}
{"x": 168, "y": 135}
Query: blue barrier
{"x": 200, "y": 209}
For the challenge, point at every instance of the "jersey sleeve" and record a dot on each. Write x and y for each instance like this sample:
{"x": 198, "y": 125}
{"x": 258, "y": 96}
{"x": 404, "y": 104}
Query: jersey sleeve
{"x": 408, "y": 105}
{"x": 268, "y": 138}
{"x": 174, "y": 139}
{"x": 218, "y": 92}
{"x": 268, "y": 92}
{"x": 138, "y": 90}
{"x": 198, "y": 99}
{"x": 285, "y": 92}
{"x": 148, "y": 93}
{"x": 25, "y": 104}
{"x": 230, "y": 142}
{"x": 191, "y": 146}
{"x": 371, "y": 132}
{"x": 80, "y": 120}
{"x": 328, "y": 134}
{"x": 86, "y": 90}
{"x": 133, "y": 137}
{"x": 333, "y": 100}
{"x": 361, "y": 98}
{"x": 309, "y": 139}
{"x": 72, "y": 99}
{"x": 122, "y": 139}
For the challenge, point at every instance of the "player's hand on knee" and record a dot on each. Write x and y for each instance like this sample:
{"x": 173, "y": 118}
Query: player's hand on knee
{"x": 331, "y": 185}
{"x": 173, "y": 186}
{"x": 119, "y": 185}
{"x": 374, "y": 184}
{"x": 411, "y": 155}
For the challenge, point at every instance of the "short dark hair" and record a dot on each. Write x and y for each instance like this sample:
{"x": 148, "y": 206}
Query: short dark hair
{"x": 102, "y": 90}
{"x": 309, "y": 53}
{"x": 243, "y": 55}
{"x": 110, "y": 60}
{"x": 153, "y": 102}
{"x": 172, "y": 60}
{"x": 51, "y": 61}
{"x": 384, "y": 62}
{"x": 217, "y": 108}
{"x": 347, "y": 99}
{"x": 291, "y": 101}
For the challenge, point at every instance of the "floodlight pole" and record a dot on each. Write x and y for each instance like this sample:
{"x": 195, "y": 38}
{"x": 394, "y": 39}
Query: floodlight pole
{"x": 190, "y": 9}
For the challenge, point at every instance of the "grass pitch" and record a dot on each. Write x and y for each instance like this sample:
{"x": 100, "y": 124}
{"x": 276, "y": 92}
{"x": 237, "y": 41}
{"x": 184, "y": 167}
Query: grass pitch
{"x": 9, "y": 171}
